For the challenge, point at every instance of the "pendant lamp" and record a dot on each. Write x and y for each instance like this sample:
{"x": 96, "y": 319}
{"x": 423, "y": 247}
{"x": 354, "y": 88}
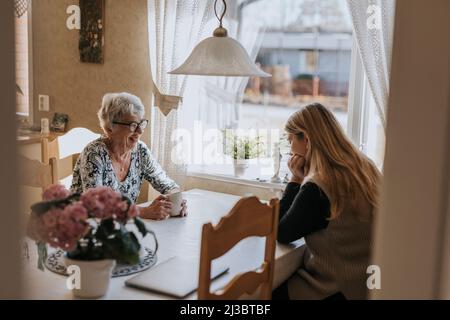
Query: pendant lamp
{"x": 220, "y": 55}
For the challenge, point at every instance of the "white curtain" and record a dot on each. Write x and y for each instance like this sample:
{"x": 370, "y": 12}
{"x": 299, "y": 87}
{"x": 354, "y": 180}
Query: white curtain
{"x": 174, "y": 28}
{"x": 373, "y": 23}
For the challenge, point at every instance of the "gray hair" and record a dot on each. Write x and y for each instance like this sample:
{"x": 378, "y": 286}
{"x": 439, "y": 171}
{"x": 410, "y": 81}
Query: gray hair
{"x": 116, "y": 105}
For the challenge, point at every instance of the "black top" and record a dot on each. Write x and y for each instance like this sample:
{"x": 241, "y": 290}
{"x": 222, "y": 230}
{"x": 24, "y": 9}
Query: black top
{"x": 303, "y": 210}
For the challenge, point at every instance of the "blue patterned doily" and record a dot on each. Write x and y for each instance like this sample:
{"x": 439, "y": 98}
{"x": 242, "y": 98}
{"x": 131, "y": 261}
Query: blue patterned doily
{"x": 55, "y": 263}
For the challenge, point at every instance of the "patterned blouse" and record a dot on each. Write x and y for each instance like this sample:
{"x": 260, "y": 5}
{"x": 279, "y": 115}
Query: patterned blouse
{"x": 94, "y": 168}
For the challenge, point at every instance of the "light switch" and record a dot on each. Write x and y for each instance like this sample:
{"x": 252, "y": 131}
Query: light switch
{"x": 44, "y": 103}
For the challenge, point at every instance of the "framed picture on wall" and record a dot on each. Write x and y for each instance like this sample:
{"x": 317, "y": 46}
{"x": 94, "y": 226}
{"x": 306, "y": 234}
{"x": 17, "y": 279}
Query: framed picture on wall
{"x": 92, "y": 30}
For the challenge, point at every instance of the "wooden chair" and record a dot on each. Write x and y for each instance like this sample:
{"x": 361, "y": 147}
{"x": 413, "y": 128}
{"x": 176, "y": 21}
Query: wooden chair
{"x": 249, "y": 217}
{"x": 63, "y": 168}
{"x": 66, "y": 150}
{"x": 49, "y": 149}
{"x": 73, "y": 142}
{"x": 36, "y": 174}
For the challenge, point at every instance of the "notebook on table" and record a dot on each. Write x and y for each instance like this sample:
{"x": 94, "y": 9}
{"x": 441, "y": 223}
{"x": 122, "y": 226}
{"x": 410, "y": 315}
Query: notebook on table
{"x": 176, "y": 277}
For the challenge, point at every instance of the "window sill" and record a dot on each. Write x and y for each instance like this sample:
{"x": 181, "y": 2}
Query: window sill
{"x": 228, "y": 178}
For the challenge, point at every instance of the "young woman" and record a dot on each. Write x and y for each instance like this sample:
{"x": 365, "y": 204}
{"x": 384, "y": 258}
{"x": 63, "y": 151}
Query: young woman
{"x": 330, "y": 201}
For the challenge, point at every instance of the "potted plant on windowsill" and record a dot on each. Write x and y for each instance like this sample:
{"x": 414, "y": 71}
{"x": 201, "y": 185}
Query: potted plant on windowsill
{"x": 242, "y": 149}
{"x": 91, "y": 229}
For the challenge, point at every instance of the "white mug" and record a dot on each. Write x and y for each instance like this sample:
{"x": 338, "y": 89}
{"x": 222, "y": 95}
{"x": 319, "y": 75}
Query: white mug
{"x": 176, "y": 199}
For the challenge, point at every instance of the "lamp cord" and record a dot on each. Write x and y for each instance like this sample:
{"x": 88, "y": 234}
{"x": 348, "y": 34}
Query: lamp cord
{"x": 223, "y": 13}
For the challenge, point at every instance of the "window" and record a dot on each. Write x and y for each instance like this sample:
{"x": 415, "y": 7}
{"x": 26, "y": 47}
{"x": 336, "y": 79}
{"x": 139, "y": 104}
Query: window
{"x": 308, "y": 57}
{"x": 23, "y": 62}
{"x": 308, "y": 47}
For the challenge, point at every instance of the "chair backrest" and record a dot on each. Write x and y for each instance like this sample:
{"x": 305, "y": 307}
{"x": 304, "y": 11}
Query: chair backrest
{"x": 73, "y": 142}
{"x": 66, "y": 149}
{"x": 34, "y": 173}
{"x": 63, "y": 168}
{"x": 49, "y": 149}
{"x": 249, "y": 217}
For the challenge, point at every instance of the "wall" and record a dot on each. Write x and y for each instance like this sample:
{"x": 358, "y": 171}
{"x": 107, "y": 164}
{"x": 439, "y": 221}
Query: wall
{"x": 410, "y": 231}
{"x": 76, "y": 88}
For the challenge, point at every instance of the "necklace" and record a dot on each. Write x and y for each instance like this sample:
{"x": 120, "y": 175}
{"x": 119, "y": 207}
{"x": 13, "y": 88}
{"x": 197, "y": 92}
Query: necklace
{"x": 117, "y": 161}
{"x": 122, "y": 163}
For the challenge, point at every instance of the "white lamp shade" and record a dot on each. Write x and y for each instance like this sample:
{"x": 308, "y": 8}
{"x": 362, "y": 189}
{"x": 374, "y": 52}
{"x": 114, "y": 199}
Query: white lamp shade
{"x": 220, "y": 56}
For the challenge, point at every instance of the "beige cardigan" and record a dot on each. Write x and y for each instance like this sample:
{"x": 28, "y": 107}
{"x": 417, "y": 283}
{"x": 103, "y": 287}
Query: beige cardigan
{"x": 336, "y": 258}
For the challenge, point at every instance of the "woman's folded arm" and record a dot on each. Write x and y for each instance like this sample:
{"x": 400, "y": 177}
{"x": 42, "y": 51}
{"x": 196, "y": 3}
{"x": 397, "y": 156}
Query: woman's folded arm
{"x": 308, "y": 212}
{"x": 289, "y": 194}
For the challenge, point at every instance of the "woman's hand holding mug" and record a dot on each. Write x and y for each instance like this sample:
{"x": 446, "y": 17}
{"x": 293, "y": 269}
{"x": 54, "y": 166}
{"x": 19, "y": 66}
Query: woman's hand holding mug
{"x": 159, "y": 209}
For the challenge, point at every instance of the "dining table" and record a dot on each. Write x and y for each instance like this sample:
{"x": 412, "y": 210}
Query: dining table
{"x": 177, "y": 237}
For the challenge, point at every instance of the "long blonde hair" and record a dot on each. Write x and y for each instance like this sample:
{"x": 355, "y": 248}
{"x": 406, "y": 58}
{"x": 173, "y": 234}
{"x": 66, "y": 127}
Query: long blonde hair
{"x": 333, "y": 160}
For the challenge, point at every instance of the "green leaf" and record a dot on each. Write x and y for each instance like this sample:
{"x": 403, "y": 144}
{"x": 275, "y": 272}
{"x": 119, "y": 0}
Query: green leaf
{"x": 135, "y": 241}
{"x": 105, "y": 229}
{"x": 44, "y": 206}
{"x": 108, "y": 225}
{"x": 124, "y": 246}
{"x": 131, "y": 247}
{"x": 90, "y": 252}
{"x": 242, "y": 147}
{"x": 42, "y": 254}
{"x": 141, "y": 226}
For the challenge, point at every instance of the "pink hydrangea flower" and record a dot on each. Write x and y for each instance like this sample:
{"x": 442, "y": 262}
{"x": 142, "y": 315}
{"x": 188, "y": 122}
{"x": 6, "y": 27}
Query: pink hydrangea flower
{"x": 61, "y": 228}
{"x": 55, "y": 192}
{"x": 51, "y": 218}
{"x": 101, "y": 202}
{"x": 71, "y": 231}
{"x": 77, "y": 211}
{"x": 64, "y": 226}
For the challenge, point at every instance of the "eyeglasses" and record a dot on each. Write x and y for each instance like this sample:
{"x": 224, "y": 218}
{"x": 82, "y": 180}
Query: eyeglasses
{"x": 134, "y": 125}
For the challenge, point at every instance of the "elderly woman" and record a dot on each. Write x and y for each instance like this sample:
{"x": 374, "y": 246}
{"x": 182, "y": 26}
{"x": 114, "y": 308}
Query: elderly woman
{"x": 120, "y": 160}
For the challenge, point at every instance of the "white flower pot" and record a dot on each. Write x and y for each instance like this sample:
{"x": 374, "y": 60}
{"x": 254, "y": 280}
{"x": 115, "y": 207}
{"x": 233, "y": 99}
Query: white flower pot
{"x": 240, "y": 166}
{"x": 94, "y": 277}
